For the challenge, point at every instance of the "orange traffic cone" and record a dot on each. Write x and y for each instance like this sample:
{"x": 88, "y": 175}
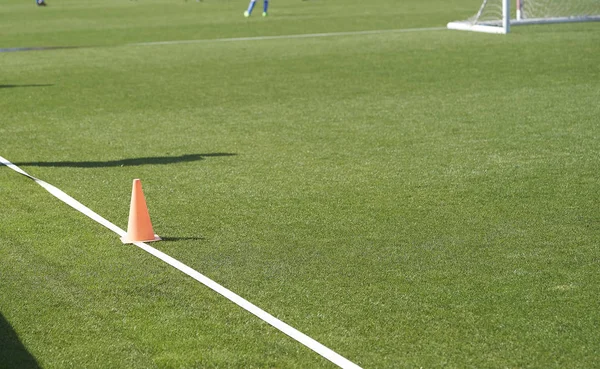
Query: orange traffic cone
{"x": 139, "y": 228}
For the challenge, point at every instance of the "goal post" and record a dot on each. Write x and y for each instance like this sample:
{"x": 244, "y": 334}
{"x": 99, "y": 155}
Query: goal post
{"x": 494, "y": 16}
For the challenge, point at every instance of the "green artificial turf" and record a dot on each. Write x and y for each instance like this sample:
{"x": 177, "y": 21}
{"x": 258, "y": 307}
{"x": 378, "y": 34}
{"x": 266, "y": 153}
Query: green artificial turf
{"x": 408, "y": 199}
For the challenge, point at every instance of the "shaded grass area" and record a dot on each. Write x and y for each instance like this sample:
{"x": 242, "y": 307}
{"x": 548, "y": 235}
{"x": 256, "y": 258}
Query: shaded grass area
{"x": 405, "y": 199}
{"x": 12, "y": 352}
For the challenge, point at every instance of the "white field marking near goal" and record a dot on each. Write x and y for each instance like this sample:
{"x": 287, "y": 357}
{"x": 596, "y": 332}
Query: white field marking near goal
{"x": 286, "y": 37}
{"x": 238, "y": 300}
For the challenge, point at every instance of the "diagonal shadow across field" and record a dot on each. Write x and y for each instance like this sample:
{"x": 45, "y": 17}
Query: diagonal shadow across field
{"x": 152, "y": 160}
{"x": 13, "y": 353}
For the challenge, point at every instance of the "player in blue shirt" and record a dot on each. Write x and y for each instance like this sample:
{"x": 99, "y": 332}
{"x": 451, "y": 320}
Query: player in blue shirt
{"x": 248, "y": 12}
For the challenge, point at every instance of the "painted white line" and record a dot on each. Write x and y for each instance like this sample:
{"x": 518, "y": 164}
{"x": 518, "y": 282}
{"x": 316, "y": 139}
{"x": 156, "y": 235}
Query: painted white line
{"x": 66, "y": 199}
{"x": 233, "y": 297}
{"x": 286, "y": 37}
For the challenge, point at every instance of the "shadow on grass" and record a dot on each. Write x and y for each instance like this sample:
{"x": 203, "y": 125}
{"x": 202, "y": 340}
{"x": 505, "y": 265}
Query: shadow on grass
{"x": 13, "y": 354}
{"x": 36, "y": 48}
{"x": 124, "y": 162}
{"x": 168, "y": 239}
{"x": 15, "y": 86}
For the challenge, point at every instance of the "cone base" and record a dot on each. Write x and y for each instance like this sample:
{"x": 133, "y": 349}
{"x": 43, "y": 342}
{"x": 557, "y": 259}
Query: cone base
{"x": 126, "y": 239}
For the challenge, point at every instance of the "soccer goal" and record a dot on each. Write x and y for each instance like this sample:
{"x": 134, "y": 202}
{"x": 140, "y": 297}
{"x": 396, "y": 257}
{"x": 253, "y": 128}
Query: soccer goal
{"x": 494, "y": 16}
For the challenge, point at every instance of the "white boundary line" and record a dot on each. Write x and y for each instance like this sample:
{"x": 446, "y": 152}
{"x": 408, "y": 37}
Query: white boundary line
{"x": 287, "y": 37}
{"x": 238, "y": 300}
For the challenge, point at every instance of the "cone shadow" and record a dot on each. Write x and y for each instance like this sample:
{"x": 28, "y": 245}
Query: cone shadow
{"x": 173, "y": 239}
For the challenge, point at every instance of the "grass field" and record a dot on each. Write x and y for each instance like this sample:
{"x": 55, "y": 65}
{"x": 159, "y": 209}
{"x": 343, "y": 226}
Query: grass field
{"x": 422, "y": 198}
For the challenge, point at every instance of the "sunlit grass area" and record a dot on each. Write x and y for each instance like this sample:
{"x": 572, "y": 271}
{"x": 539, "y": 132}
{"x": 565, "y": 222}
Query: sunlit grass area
{"x": 408, "y": 199}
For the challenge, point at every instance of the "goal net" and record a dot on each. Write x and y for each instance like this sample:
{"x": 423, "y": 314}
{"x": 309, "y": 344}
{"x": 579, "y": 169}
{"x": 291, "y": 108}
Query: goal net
{"x": 495, "y": 16}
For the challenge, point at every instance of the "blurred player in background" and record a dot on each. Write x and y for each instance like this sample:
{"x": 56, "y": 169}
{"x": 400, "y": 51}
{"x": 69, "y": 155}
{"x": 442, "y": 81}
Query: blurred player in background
{"x": 248, "y": 12}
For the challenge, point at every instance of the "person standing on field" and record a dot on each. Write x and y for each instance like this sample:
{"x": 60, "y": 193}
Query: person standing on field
{"x": 248, "y": 12}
